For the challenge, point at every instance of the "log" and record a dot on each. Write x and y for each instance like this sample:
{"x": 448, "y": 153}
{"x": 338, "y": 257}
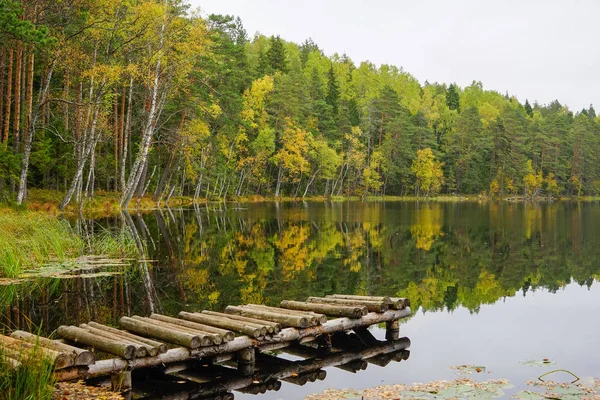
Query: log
{"x": 78, "y": 335}
{"x": 272, "y": 327}
{"x": 382, "y": 299}
{"x": 140, "y": 348}
{"x": 283, "y": 319}
{"x": 395, "y": 303}
{"x": 205, "y": 339}
{"x": 152, "y": 330}
{"x": 18, "y": 349}
{"x": 23, "y": 351}
{"x": 81, "y": 356}
{"x": 354, "y": 366}
{"x": 224, "y": 323}
{"x": 372, "y": 306}
{"x": 317, "y": 318}
{"x": 227, "y": 335}
{"x": 160, "y": 347}
{"x": 327, "y": 309}
{"x": 223, "y": 335}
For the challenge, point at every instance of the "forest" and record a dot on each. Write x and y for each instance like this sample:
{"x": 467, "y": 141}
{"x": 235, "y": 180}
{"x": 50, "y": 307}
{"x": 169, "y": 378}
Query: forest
{"x": 150, "y": 98}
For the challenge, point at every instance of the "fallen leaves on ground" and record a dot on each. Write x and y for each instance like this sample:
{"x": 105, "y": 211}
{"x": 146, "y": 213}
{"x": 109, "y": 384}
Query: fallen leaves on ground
{"x": 80, "y": 391}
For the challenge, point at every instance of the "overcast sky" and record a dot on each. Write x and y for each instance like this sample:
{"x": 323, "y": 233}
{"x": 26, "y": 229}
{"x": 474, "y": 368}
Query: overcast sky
{"x": 540, "y": 50}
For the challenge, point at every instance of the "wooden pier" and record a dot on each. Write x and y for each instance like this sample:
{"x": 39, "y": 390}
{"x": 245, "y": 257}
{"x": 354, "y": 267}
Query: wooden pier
{"x": 241, "y": 335}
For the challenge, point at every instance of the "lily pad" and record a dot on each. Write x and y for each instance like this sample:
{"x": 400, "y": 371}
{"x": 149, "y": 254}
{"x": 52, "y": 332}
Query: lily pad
{"x": 538, "y": 363}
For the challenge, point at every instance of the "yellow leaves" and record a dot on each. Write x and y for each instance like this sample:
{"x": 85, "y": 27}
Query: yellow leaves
{"x": 254, "y": 99}
{"x": 291, "y": 156}
{"x": 428, "y": 171}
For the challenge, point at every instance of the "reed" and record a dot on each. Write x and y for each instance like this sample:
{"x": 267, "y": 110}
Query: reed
{"x": 29, "y": 239}
{"x": 30, "y": 379}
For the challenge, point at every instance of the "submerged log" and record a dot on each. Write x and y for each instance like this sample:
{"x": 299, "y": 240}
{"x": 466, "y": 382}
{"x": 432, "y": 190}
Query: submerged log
{"x": 272, "y": 327}
{"x": 152, "y": 330}
{"x": 327, "y": 309}
{"x": 224, "y": 323}
{"x": 283, "y": 319}
{"x": 224, "y": 335}
{"x": 81, "y": 356}
{"x": 315, "y": 317}
{"x": 373, "y": 306}
{"x": 78, "y": 335}
{"x": 161, "y": 347}
{"x": 20, "y": 351}
{"x": 206, "y": 339}
{"x": 141, "y": 349}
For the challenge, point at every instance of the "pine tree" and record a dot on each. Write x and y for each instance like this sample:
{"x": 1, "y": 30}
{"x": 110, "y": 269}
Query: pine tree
{"x": 333, "y": 91}
{"x": 528, "y": 108}
{"x": 276, "y": 55}
{"x": 453, "y": 97}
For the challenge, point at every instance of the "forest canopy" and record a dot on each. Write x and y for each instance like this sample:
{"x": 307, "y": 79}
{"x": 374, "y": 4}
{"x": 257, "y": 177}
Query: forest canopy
{"x": 147, "y": 96}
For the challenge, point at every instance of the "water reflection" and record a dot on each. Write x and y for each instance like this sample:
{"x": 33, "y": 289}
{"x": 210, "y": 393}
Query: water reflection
{"x": 297, "y": 365}
{"x": 440, "y": 255}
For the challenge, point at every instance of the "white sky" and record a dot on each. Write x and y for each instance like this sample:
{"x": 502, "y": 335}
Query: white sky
{"x": 536, "y": 49}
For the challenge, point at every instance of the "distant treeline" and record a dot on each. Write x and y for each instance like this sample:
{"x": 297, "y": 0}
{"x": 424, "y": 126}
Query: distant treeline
{"x": 146, "y": 96}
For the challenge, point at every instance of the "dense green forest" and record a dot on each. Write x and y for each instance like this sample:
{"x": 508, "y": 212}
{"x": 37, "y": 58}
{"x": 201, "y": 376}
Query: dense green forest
{"x": 148, "y": 97}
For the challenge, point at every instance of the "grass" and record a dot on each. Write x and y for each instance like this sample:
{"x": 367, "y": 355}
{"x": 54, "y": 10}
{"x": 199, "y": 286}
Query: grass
{"x": 32, "y": 379}
{"x": 31, "y": 238}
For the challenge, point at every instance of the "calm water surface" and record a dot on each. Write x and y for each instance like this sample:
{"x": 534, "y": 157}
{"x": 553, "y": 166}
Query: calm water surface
{"x": 491, "y": 284}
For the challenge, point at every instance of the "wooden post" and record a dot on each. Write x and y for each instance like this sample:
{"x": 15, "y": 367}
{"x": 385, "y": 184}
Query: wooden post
{"x": 392, "y": 330}
{"x": 121, "y": 381}
{"x": 246, "y": 359}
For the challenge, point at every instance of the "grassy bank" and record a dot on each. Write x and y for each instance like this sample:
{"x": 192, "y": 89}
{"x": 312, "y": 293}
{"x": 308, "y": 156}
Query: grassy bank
{"x": 32, "y": 238}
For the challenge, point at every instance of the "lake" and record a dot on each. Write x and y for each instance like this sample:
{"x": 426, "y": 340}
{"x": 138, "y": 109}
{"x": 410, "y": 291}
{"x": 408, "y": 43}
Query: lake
{"x": 491, "y": 284}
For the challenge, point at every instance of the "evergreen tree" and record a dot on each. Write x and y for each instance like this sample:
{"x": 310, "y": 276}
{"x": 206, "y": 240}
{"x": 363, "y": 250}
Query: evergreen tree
{"x": 276, "y": 55}
{"x": 453, "y": 97}
{"x": 333, "y": 93}
{"x": 528, "y": 108}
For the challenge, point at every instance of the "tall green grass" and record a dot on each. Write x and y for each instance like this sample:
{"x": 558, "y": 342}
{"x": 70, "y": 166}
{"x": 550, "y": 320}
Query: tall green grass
{"x": 28, "y": 239}
{"x": 32, "y": 379}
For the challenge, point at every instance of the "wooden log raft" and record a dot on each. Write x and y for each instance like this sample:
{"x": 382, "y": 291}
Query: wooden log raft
{"x": 327, "y": 309}
{"x": 225, "y": 335}
{"x": 141, "y": 349}
{"x": 272, "y": 327}
{"x": 19, "y": 350}
{"x": 283, "y": 339}
{"x": 153, "y": 330}
{"x": 316, "y": 318}
{"x": 80, "y": 356}
{"x": 395, "y": 303}
{"x": 373, "y": 306}
{"x": 223, "y": 323}
{"x": 160, "y": 347}
{"x": 283, "y": 319}
{"x": 78, "y": 335}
